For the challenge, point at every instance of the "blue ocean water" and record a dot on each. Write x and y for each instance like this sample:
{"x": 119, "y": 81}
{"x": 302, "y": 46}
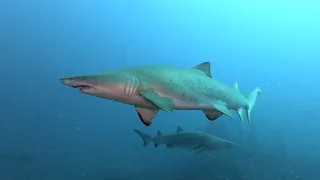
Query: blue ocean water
{"x": 52, "y": 132}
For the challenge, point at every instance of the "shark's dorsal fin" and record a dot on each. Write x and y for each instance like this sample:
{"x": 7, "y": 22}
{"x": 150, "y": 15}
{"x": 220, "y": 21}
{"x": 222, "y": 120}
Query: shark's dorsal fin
{"x": 235, "y": 86}
{"x": 179, "y": 129}
{"x": 204, "y": 67}
{"x": 159, "y": 133}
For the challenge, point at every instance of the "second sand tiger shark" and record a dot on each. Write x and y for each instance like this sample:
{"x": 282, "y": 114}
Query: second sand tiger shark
{"x": 150, "y": 88}
{"x": 190, "y": 140}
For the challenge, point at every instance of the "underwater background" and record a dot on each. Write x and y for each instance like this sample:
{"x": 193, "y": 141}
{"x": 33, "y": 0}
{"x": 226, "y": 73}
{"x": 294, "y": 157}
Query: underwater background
{"x": 51, "y": 132}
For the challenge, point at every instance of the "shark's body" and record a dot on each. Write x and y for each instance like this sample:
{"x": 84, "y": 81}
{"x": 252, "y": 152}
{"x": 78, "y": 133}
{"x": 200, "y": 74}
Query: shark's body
{"x": 191, "y": 140}
{"x": 150, "y": 88}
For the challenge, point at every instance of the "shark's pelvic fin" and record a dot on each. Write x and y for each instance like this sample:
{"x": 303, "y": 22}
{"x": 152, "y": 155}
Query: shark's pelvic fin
{"x": 163, "y": 103}
{"x": 212, "y": 114}
{"x": 220, "y": 106}
{"x": 146, "y": 115}
{"x": 179, "y": 129}
{"x": 145, "y": 137}
{"x": 204, "y": 67}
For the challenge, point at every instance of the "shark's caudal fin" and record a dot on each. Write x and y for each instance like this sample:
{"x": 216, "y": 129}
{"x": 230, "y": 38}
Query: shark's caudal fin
{"x": 145, "y": 137}
{"x": 252, "y": 97}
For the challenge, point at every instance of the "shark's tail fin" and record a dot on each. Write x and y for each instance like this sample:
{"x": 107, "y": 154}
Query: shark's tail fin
{"x": 252, "y": 97}
{"x": 145, "y": 137}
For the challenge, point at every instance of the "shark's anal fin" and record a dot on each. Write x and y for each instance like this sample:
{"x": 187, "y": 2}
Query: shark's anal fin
{"x": 212, "y": 114}
{"x": 252, "y": 97}
{"x": 241, "y": 113}
{"x": 219, "y": 106}
{"x": 163, "y": 103}
{"x": 146, "y": 115}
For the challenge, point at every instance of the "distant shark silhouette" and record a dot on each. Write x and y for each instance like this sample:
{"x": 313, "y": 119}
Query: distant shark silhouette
{"x": 150, "y": 88}
{"x": 191, "y": 140}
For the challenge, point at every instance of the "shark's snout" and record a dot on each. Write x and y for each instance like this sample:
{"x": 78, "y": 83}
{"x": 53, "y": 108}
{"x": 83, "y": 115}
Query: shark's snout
{"x": 76, "y": 82}
{"x": 65, "y": 81}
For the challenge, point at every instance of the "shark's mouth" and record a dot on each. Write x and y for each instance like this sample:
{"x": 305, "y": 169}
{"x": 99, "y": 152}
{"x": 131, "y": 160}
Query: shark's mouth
{"x": 82, "y": 87}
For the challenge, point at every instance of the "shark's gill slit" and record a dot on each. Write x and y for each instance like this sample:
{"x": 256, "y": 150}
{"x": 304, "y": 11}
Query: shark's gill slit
{"x": 135, "y": 87}
{"x": 130, "y": 88}
{"x": 125, "y": 87}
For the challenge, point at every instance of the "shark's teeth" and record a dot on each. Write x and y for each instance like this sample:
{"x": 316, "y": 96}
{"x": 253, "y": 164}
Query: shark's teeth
{"x": 81, "y": 86}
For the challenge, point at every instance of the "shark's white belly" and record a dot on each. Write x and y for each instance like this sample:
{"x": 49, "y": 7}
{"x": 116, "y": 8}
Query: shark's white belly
{"x": 179, "y": 103}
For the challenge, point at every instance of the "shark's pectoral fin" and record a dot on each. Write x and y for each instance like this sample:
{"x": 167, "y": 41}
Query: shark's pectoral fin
{"x": 219, "y": 106}
{"x": 146, "y": 115}
{"x": 200, "y": 148}
{"x": 163, "y": 103}
{"x": 212, "y": 114}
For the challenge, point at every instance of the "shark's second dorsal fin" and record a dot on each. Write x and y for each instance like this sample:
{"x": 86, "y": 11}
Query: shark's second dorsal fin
{"x": 235, "y": 86}
{"x": 179, "y": 129}
{"x": 204, "y": 67}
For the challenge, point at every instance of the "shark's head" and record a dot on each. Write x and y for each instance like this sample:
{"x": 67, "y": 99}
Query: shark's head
{"x": 107, "y": 85}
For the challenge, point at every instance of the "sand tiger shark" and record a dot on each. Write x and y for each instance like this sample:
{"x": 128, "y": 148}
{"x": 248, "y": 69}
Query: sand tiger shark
{"x": 191, "y": 140}
{"x": 150, "y": 88}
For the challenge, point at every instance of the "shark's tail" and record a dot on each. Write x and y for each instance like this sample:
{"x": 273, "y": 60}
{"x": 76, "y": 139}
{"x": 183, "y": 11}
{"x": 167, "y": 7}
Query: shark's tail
{"x": 252, "y": 97}
{"x": 146, "y": 138}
